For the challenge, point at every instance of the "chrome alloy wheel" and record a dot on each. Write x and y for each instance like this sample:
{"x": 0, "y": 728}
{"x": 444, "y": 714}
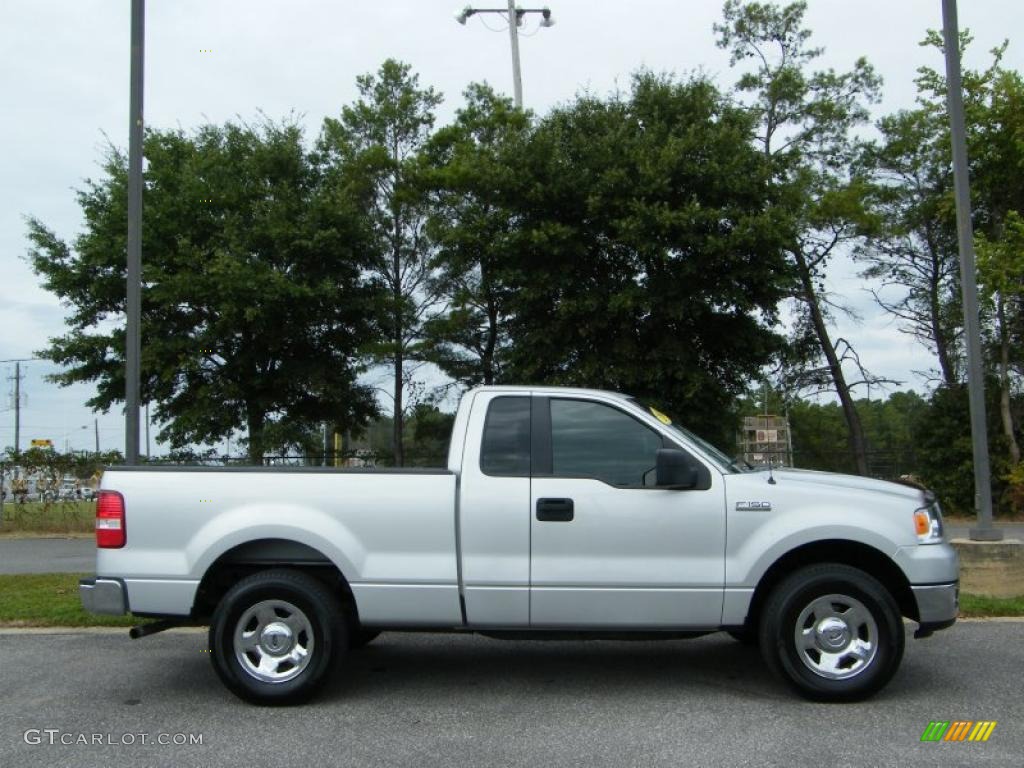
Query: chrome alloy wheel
{"x": 836, "y": 637}
{"x": 273, "y": 641}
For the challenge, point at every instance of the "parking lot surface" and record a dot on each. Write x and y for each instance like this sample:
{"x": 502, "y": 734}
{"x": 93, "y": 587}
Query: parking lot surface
{"x": 463, "y": 700}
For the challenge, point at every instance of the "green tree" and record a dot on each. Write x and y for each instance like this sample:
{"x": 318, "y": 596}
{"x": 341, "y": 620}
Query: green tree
{"x": 649, "y": 258}
{"x": 379, "y": 141}
{"x": 819, "y": 437}
{"x": 805, "y": 120}
{"x": 253, "y": 302}
{"x": 994, "y": 116}
{"x": 914, "y": 250}
{"x": 998, "y": 170}
{"x": 474, "y": 225}
{"x": 1001, "y": 273}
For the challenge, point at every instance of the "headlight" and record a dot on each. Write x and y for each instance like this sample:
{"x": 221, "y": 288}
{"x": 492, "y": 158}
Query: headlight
{"x": 928, "y": 522}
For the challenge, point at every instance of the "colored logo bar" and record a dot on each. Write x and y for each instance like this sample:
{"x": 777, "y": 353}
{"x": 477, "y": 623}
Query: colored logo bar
{"x": 958, "y": 730}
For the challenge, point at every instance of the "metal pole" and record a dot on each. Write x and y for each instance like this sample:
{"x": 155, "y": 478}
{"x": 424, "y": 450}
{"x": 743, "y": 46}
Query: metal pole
{"x": 96, "y": 429}
{"x": 513, "y": 33}
{"x": 17, "y": 407}
{"x": 968, "y": 277}
{"x": 133, "y": 347}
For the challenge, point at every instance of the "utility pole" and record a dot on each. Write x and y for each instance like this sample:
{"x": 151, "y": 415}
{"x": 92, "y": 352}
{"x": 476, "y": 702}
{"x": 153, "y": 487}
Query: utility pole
{"x": 513, "y": 34}
{"x": 515, "y": 18}
{"x": 133, "y": 346}
{"x": 968, "y": 278}
{"x": 16, "y": 378}
{"x": 17, "y": 407}
{"x": 96, "y": 429}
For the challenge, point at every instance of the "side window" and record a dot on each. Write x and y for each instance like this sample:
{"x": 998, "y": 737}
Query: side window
{"x": 505, "y": 447}
{"x": 597, "y": 440}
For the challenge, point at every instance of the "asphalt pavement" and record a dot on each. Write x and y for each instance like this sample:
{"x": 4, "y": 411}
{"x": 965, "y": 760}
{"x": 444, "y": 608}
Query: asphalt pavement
{"x": 48, "y": 555}
{"x": 461, "y": 700}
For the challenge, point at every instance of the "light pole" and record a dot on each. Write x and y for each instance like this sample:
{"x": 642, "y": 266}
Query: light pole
{"x": 133, "y": 308}
{"x": 514, "y": 16}
{"x": 968, "y": 279}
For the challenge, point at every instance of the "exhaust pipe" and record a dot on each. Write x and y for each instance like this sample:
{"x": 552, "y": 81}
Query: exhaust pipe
{"x": 142, "y": 630}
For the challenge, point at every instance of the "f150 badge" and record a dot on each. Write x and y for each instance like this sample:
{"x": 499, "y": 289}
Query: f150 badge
{"x": 753, "y": 506}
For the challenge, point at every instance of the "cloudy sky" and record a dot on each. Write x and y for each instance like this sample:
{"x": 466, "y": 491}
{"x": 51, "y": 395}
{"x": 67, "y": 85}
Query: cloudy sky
{"x": 64, "y": 80}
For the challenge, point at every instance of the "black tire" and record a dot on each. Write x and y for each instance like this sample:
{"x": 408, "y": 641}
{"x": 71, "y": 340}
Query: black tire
{"x": 361, "y": 638}
{"x": 323, "y": 634}
{"x": 862, "y": 605}
{"x": 744, "y": 636}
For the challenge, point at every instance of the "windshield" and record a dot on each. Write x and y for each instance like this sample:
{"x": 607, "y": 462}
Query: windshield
{"x": 726, "y": 463}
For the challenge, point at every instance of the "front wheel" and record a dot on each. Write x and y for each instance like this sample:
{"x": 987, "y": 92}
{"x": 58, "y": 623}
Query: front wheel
{"x": 833, "y": 632}
{"x": 277, "y": 636}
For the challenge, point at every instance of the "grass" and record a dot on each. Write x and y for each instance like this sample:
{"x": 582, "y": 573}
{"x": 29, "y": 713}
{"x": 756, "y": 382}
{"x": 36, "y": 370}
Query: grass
{"x": 977, "y": 606}
{"x": 75, "y": 517}
{"x": 51, "y": 600}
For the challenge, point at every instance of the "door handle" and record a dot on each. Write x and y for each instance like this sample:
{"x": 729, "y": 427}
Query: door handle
{"x": 554, "y": 510}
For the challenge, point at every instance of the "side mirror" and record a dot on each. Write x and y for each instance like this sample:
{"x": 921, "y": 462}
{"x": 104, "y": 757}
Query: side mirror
{"x": 675, "y": 470}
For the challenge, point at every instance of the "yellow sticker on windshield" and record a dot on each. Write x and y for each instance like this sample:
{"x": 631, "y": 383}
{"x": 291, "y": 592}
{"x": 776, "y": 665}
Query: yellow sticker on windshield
{"x": 660, "y": 416}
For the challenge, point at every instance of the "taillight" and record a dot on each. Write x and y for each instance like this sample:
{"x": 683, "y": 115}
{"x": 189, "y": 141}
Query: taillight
{"x": 110, "y": 532}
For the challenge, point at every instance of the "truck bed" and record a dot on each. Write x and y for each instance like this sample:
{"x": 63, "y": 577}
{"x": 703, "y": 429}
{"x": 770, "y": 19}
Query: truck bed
{"x": 394, "y": 540}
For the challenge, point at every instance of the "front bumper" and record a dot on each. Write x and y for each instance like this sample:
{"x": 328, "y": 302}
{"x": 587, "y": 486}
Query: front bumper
{"x": 937, "y": 605}
{"x": 103, "y": 596}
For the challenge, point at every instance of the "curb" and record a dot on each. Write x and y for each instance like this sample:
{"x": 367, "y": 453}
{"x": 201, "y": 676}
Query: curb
{"x": 91, "y": 630}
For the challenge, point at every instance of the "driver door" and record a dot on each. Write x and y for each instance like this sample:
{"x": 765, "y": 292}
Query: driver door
{"x": 608, "y": 550}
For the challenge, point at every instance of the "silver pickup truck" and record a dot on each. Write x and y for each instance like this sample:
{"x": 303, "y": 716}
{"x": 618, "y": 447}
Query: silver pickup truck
{"x": 562, "y": 512}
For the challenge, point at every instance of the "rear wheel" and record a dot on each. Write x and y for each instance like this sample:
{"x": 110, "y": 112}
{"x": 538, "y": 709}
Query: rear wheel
{"x": 277, "y": 636}
{"x": 833, "y": 632}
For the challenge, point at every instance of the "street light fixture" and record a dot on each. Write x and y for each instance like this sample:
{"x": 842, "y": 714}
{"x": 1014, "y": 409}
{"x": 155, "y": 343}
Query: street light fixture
{"x": 512, "y": 12}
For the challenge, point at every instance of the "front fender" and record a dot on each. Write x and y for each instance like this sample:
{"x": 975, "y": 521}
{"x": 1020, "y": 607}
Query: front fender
{"x": 748, "y": 563}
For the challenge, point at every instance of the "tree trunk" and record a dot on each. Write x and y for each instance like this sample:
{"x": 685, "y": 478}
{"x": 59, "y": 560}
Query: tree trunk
{"x": 399, "y": 419}
{"x": 492, "y": 339}
{"x": 947, "y": 365}
{"x": 1004, "y": 382}
{"x": 855, "y": 430}
{"x": 254, "y": 422}
{"x": 398, "y": 422}
{"x": 941, "y": 342}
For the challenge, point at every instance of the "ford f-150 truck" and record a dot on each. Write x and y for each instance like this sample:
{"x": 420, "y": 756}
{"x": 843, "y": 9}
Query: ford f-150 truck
{"x": 562, "y": 512}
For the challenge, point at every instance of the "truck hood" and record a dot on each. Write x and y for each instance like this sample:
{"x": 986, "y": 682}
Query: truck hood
{"x": 811, "y": 478}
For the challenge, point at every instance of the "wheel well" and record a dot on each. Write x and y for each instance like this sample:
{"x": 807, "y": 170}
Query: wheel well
{"x": 852, "y": 553}
{"x": 263, "y": 554}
